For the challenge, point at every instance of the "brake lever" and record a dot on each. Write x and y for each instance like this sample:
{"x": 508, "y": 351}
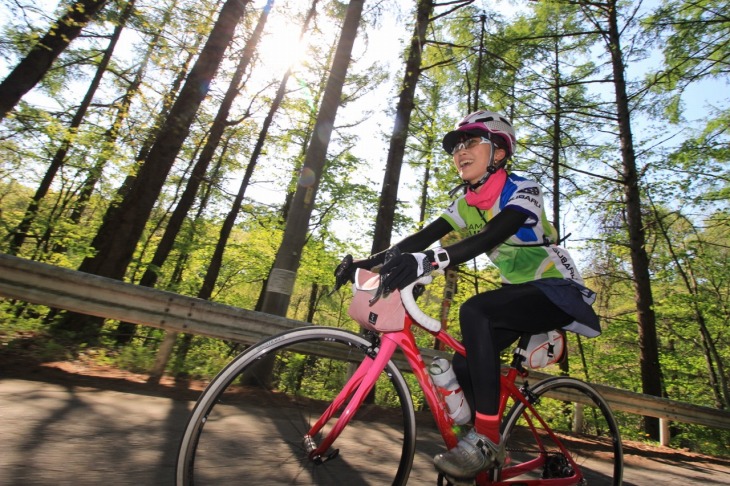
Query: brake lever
{"x": 381, "y": 291}
{"x": 342, "y": 273}
{"x": 418, "y": 291}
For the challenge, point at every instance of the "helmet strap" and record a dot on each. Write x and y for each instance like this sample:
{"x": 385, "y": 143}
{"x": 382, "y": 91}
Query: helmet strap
{"x": 491, "y": 168}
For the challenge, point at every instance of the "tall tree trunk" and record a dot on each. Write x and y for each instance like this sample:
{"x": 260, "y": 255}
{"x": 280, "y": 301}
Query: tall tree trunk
{"x": 713, "y": 359}
{"x": 20, "y": 233}
{"x": 124, "y": 223}
{"x": 313, "y": 299}
{"x": 164, "y": 247}
{"x": 168, "y": 342}
{"x": 38, "y": 61}
{"x": 168, "y": 101}
{"x": 651, "y": 373}
{"x": 557, "y": 149}
{"x": 556, "y": 138}
{"x": 112, "y": 134}
{"x": 478, "y": 83}
{"x": 216, "y": 260}
{"x": 281, "y": 279}
{"x": 308, "y": 133}
{"x": 396, "y": 150}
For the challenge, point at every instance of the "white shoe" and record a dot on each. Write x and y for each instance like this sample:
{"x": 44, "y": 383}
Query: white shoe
{"x": 473, "y": 454}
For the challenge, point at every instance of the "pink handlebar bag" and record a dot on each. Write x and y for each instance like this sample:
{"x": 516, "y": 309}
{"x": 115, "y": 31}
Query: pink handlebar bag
{"x": 387, "y": 314}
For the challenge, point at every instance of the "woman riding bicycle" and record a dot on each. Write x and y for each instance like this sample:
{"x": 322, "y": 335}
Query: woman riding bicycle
{"x": 542, "y": 289}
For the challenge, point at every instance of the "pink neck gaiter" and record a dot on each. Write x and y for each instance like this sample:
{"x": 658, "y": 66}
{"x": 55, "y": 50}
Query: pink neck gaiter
{"x": 486, "y": 195}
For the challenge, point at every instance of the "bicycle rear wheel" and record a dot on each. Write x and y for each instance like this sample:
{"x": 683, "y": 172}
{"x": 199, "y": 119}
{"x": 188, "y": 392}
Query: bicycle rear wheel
{"x": 249, "y": 425}
{"x": 581, "y": 421}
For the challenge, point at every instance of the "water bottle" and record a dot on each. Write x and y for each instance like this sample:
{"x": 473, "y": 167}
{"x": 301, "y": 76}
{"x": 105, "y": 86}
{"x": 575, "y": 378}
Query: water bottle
{"x": 444, "y": 377}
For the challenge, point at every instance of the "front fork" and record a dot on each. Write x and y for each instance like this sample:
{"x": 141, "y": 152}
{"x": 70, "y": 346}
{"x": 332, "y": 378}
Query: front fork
{"x": 355, "y": 390}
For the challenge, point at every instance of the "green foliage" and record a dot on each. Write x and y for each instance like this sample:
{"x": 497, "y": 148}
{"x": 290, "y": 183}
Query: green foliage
{"x": 693, "y": 36}
{"x": 137, "y": 359}
{"x": 23, "y": 333}
{"x": 697, "y": 438}
{"x": 204, "y": 360}
{"x": 545, "y": 68}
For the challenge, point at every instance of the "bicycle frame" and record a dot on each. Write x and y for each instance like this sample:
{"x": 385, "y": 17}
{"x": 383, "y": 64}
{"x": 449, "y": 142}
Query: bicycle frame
{"x": 353, "y": 394}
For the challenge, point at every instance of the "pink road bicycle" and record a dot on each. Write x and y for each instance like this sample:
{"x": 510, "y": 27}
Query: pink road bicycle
{"x": 297, "y": 408}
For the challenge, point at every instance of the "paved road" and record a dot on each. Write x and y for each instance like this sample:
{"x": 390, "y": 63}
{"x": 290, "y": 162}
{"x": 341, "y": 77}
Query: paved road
{"x": 77, "y": 432}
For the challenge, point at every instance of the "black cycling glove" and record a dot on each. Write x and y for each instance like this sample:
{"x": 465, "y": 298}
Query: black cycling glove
{"x": 404, "y": 269}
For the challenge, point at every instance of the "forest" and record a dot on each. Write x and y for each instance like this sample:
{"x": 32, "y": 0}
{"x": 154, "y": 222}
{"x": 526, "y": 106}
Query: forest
{"x": 236, "y": 150}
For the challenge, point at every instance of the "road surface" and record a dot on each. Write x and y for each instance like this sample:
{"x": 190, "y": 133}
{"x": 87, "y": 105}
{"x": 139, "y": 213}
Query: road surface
{"x": 61, "y": 428}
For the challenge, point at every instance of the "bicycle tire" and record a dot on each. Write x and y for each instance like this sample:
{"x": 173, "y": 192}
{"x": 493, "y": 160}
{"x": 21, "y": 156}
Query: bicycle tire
{"x": 252, "y": 434}
{"x": 595, "y": 448}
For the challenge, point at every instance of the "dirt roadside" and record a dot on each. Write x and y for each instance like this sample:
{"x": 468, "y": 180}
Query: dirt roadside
{"x": 52, "y": 411}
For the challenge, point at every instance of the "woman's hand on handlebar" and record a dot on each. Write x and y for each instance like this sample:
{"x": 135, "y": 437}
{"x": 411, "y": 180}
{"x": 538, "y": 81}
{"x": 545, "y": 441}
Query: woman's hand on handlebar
{"x": 345, "y": 272}
{"x": 403, "y": 269}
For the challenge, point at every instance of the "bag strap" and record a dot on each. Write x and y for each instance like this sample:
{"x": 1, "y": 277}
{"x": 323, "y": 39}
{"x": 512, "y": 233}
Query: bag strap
{"x": 524, "y": 341}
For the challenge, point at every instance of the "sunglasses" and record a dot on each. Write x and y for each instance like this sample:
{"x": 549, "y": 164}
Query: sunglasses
{"x": 469, "y": 144}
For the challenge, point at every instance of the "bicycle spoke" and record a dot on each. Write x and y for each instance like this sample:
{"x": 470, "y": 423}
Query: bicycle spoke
{"x": 579, "y": 438}
{"x": 265, "y": 403}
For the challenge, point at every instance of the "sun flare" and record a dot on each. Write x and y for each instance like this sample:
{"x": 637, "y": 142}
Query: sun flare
{"x": 282, "y": 48}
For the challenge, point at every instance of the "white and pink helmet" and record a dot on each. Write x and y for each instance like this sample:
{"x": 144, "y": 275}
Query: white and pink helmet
{"x": 478, "y": 123}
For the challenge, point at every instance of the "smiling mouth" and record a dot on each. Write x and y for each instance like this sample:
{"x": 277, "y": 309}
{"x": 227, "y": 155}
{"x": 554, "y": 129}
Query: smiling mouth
{"x": 465, "y": 163}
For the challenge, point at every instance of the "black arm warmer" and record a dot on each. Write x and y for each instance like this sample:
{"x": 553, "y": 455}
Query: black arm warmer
{"x": 494, "y": 233}
{"x": 418, "y": 241}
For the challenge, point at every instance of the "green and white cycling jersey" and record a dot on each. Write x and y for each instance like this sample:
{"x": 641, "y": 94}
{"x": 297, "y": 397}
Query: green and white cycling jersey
{"x": 531, "y": 253}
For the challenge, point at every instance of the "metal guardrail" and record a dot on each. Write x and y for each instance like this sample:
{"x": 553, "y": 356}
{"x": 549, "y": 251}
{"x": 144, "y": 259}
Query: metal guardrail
{"x": 44, "y": 284}
{"x": 62, "y": 288}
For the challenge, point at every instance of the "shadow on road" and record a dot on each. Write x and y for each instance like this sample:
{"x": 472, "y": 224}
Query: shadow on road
{"x": 59, "y": 427}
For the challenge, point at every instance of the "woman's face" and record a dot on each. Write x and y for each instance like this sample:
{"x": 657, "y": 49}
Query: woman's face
{"x": 471, "y": 158}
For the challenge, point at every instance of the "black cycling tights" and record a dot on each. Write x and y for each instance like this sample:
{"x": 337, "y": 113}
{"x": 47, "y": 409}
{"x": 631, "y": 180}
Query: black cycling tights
{"x": 492, "y": 321}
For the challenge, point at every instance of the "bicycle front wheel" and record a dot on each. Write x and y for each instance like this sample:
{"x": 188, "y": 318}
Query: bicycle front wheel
{"x": 577, "y": 438}
{"x": 251, "y": 424}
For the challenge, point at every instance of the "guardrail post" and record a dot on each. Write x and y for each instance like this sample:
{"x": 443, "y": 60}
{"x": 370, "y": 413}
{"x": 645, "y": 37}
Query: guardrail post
{"x": 163, "y": 357}
{"x": 578, "y": 418}
{"x": 664, "y": 434}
